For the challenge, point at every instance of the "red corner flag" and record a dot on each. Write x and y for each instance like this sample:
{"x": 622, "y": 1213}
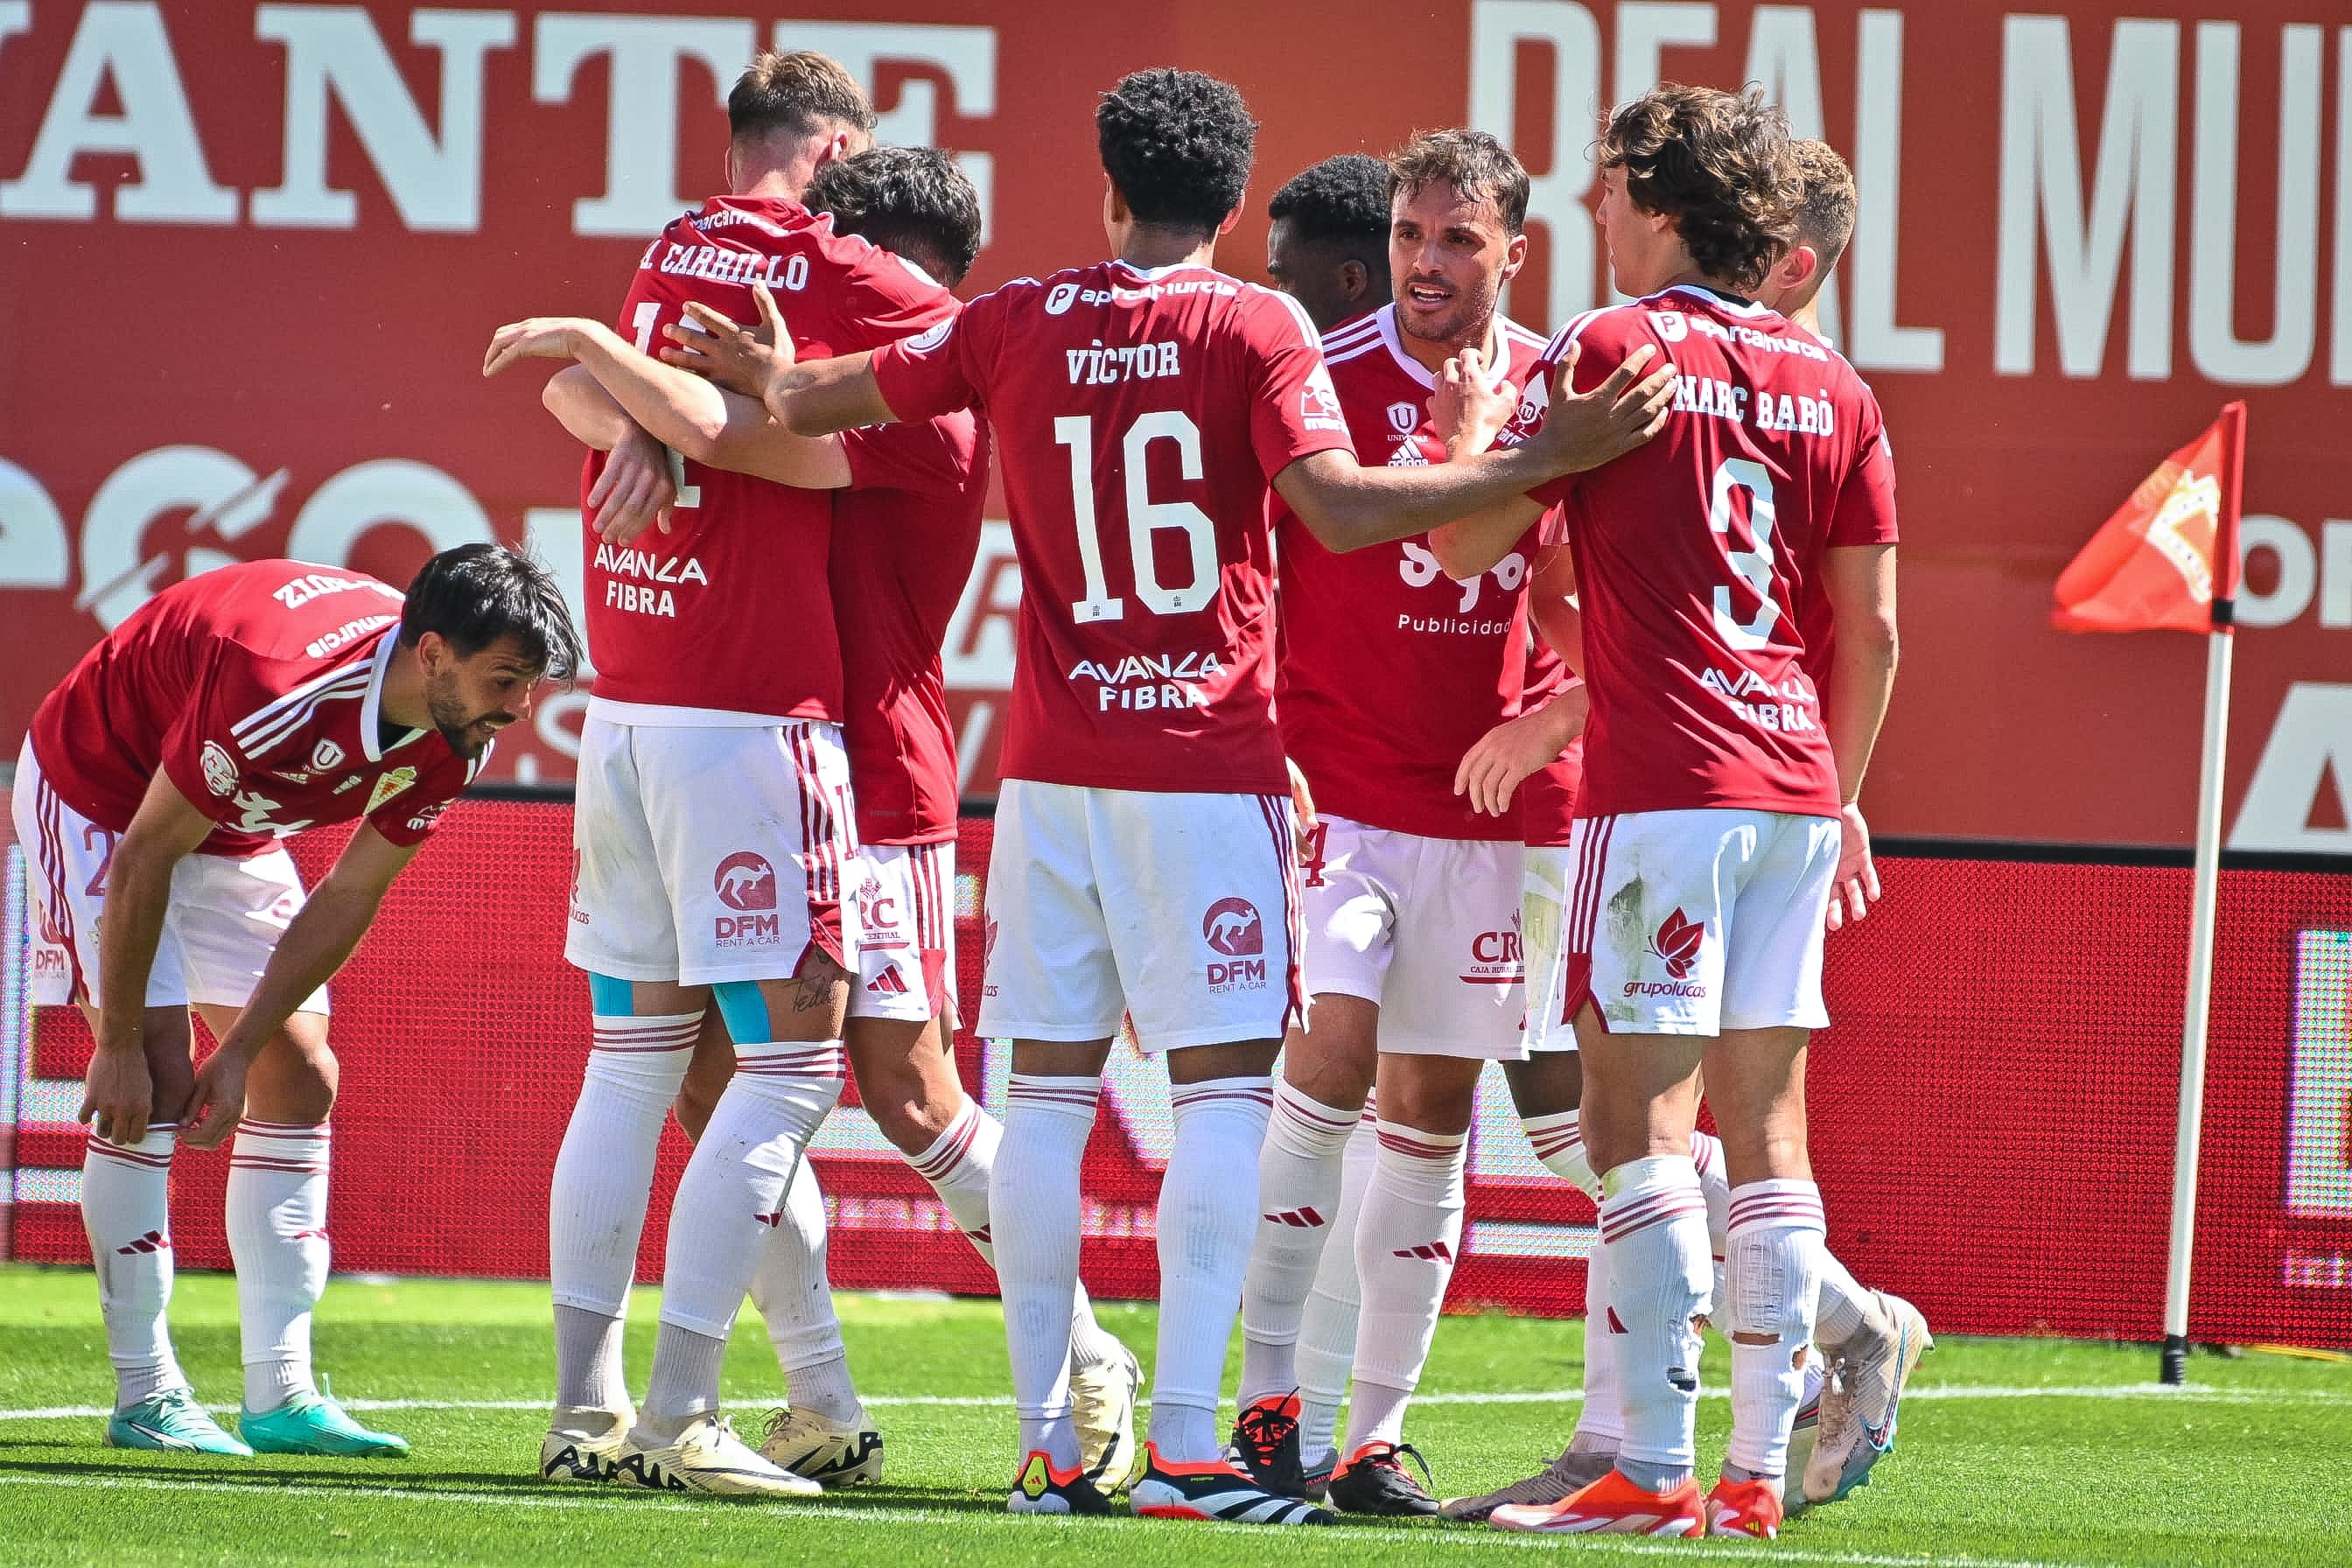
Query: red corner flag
{"x": 2154, "y": 565}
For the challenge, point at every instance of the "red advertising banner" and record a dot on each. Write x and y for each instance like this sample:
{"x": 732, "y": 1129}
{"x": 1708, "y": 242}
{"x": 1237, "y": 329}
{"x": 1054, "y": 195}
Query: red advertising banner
{"x": 251, "y": 256}
{"x": 1992, "y": 1134}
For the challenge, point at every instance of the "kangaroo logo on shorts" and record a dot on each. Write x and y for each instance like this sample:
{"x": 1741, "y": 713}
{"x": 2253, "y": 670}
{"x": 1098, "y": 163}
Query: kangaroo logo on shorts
{"x": 746, "y": 882}
{"x": 1677, "y": 943}
{"x": 1232, "y": 927}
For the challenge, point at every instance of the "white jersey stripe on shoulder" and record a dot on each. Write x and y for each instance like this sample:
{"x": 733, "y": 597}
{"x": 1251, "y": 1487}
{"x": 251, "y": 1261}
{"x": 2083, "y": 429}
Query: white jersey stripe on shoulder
{"x": 291, "y": 721}
{"x": 301, "y": 693}
{"x": 1314, "y": 339}
{"x": 260, "y": 729}
{"x": 1347, "y": 332}
{"x": 1573, "y": 330}
{"x": 1343, "y": 356}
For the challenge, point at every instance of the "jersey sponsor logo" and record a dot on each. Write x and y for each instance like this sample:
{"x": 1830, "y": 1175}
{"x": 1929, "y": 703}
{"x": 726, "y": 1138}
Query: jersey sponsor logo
{"x": 1672, "y": 325}
{"x": 639, "y": 581}
{"x": 1496, "y": 957}
{"x": 254, "y": 809}
{"x": 325, "y": 755}
{"x": 391, "y": 784}
{"x": 1408, "y": 455}
{"x": 1141, "y": 682}
{"x": 877, "y": 916}
{"x": 1675, "y": 943}
{"x": 220, "y": 769}
{"x": 1231, "y": 927}
{"x": 1096, "y": 365}
{"x": 1787, "y": 707}
{"x": 932, "y": 336}
{"x": 349, "y": 782}
{"x": 1404, "y": 418}
{"x": 746, "y": 882}
{"x": 427, "y": 815}
{"x": 1318, "y": 403}
{"x": 1058, "y": 300}
{"x": 350, "y": 631}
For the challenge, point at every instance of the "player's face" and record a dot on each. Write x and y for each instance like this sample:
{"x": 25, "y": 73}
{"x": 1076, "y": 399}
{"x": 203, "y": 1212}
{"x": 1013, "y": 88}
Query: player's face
{"x": 1309, "y": 273}
{"x": 1640, "y": 244}
{"x": 471, "y": 700}
{"x": 1448, "y": 257}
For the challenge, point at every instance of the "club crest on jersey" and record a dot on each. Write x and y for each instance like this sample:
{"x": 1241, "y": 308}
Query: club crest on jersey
{"x": 1404, "y": 418}
{"x": 1671, "y": 324}
{"x": 391, "y": 784}
{"x": 220, "y": 769}
{"x": 325, "y": 755}
{"x": 1231, "y": 927}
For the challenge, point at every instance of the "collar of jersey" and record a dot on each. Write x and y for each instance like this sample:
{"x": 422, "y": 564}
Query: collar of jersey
{"x": 371, "y": 705}
{"x": 1498, "y": 365}
{"x": 1729, "y": 304}
{"x": 1154, "y": 274}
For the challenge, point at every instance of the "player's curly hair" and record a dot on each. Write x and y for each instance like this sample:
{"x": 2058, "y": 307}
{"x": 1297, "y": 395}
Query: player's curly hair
{"x": 1472, "y": 163}
{"x": 1178, "y": 145}
{"x": 1343, "y": 200}
{"x": 1826, "y": 202}
{"x": 912, "y": 200}
{"x": 799, "y": 92}
{"x": 1718, "y": 164}
{"x": 476, "y": 594}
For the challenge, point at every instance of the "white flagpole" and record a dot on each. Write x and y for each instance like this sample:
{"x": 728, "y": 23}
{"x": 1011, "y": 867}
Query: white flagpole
{"x": 2204, "y": 894}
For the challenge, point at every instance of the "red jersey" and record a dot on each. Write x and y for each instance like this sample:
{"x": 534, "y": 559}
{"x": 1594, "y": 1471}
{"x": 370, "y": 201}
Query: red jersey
{"x": 905, "y": 534}
{"x": 1694, "y": 552}
{"x": 1390, "y": 669}
{"x": 258, "y": 690}
{"x": 729, "y": 613}
{"x": 1138, "y": 417}
{"x": 1814, "y": 621}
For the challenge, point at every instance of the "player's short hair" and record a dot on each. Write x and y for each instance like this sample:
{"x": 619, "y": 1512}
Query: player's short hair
{"x": 801, "y": 92}
{"x": 477, "y": 594}
{"x": 1826, "y": 200}
{"x": 1473, "y": 163}
{"x": 1718, "y": 164}
{"x": 1178, "y": 145}
{"x": 912, "y": 200}
{"x": 1342, "y": 201}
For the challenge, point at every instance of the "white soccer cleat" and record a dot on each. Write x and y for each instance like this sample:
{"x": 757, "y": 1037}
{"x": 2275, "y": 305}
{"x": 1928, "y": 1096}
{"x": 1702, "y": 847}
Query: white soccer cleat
{"x": 1102, "y": 1408}
{"x": 581, "y": 1445}
{"x": 832, "y": 1454}
{"x": 1860, "y": 1403}
{"x": 707, "y": 1458}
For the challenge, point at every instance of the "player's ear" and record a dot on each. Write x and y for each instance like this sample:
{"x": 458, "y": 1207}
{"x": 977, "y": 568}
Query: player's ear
{"x": 1355, "y": 278}
{"x": 1232, "y": 218}
{"x": 1515, "y": 256}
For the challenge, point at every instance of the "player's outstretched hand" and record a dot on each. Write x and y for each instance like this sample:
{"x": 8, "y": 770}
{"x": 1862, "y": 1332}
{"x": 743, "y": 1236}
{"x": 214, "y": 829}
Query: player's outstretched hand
{"x": 1466, "y": 413}
{"x": 1492, "y": 770}
{"x": 540, "y": 337}
{"x": 1857, "y": 876}
{"x": 739, "y": 357}
{"x": 217, "y": 1102}
{"x": 636, "y": 490}
{"x": 118, "y": 1095}
{"x": 1584, "y": 430}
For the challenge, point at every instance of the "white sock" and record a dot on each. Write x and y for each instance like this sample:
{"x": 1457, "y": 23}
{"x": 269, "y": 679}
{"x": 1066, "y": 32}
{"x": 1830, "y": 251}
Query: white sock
{"x": 277, "y": 1215}
{"x": 1774, "y": 1264}
{"x": 1559, "y": 1142}
{"x": 596, "y": 1200}
{"x": 794, "y": 1295}
{"x": 1600, "y": 1424}
{"x": 1033, "y": 1199}
{"x": 1654, "y": 1221}
{"x": 1846, "y": 1307}
{"x": 1299, "y": 1196}
{"x": 1706, "y": 1153}
{"x": 125, "y": 1211}
{"x": 1208, "y": 1214}
{"x": 1326, "y": 1354}
{"x": 1405, "y": 1245}
{"x": 684, "y": 1384}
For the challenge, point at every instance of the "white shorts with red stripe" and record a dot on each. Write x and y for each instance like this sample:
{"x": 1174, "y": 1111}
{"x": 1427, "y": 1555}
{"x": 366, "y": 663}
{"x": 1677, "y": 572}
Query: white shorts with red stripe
{"x": 709, "y": 853}
{"x": 1544, "y": 886}
{"x": 225, "y": 914}
{"x": 906, "y": 923}
{"x": 1178, "y": 911}
{"x": 1427, "y": 929}
{"x": 1691, "y": 922}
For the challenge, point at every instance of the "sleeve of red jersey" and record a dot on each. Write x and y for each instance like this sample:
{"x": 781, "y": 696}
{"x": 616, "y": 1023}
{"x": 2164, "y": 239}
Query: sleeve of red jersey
{"x": 1294, "y": 407}
{"x": 228, "y": 705}
{"x": 1602, "y": 338}
{"x": 933, "y": 372}
{"x": 890, "y": 302}
{"x": 934, "y": 457}
{"x": 1865, "y": 504}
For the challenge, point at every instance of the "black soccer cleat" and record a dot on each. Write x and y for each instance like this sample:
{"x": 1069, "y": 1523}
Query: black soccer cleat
{"x": 1266, "y": 1445}
{"x": 1373, "y": 1481}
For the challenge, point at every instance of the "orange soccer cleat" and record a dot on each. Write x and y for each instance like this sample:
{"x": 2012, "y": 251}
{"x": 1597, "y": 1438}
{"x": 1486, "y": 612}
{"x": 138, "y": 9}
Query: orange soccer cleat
{"x": 1609, "y": 1506}
{"x": 1744, "y": 1508}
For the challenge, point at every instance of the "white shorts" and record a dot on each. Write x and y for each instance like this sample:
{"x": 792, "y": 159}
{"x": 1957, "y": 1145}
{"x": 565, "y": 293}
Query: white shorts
{"x": 703, "y": 854}
{"x": 906, "y": 923}
{"x": 1179, "y": 910}
{"x": 1427, "y": 929}
{"x": 225, "y": 914}
{"x": 1543, "y": 897}
{"x": 1691, "y": 922}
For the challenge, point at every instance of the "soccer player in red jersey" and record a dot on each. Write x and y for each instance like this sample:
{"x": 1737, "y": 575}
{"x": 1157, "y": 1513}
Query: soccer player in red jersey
{"x": 229, "y": 713}
{"x": 1410, "y": 895}
{"x": 1327, "y": 238}
{"x": 1717, "y": 803}
{"x": 1143, "y": 863}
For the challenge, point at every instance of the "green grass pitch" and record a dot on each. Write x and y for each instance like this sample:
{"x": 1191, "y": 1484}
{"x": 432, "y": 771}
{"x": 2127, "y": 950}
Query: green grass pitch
{"x": 2012, "y": 1452}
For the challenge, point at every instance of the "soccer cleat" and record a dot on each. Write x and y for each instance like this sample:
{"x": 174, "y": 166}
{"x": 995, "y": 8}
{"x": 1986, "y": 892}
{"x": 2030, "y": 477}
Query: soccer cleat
{"x": 1609, "y": 1506}
{"x": 1042, "y": 1488}
{"x": 581, "y": 1444}
{"x": 1861, "y": 1402}
{"x": 1102, "y": 1407}
{"x": 831, "y": 1454}
{"x": 1212, "y": 1490}
{"x": 171, "y": 1422}
{"x": 1266, "y": 1448}
{"x": 312, "y": 1423}
{"x": 1560, "y": 1479}
{"x": 1744, "y": 1508}
{"x": 707, "y": 1458}
{"x": 1374, "y": 1482}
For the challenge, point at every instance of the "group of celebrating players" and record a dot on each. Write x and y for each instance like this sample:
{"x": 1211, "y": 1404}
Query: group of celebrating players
{"x": 1581, "y": 650}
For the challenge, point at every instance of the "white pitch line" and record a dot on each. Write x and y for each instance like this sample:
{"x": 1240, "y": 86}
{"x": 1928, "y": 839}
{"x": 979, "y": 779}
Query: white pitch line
{"x": 1940, "y": 1392}
{"x": 884, "y": 1512}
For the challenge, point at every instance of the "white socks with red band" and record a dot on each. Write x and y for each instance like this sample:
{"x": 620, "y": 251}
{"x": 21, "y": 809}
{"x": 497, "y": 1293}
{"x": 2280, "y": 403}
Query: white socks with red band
{"x": 1406, "y": 1241}
{"x": 1208, "y": 1218}
{"x": 957, "y": 1167}
{"x": 125, "y": 1212}
{"x": 1653, "y": 1223}
{"x": 596, "y": 1202}
{"x": 277, "y": 1216}
{"x": 1774, "y": 1271}
{"x": 1033, "y": 1208}
{"x": 1298, "y": 1178}
{"x": 1558, "y": 1141}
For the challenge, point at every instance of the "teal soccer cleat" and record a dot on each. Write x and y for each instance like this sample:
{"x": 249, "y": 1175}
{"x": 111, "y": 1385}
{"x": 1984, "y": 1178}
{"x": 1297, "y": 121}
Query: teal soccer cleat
{"x": 172, "y": 1422}
{"x": 315, "y": 1423}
